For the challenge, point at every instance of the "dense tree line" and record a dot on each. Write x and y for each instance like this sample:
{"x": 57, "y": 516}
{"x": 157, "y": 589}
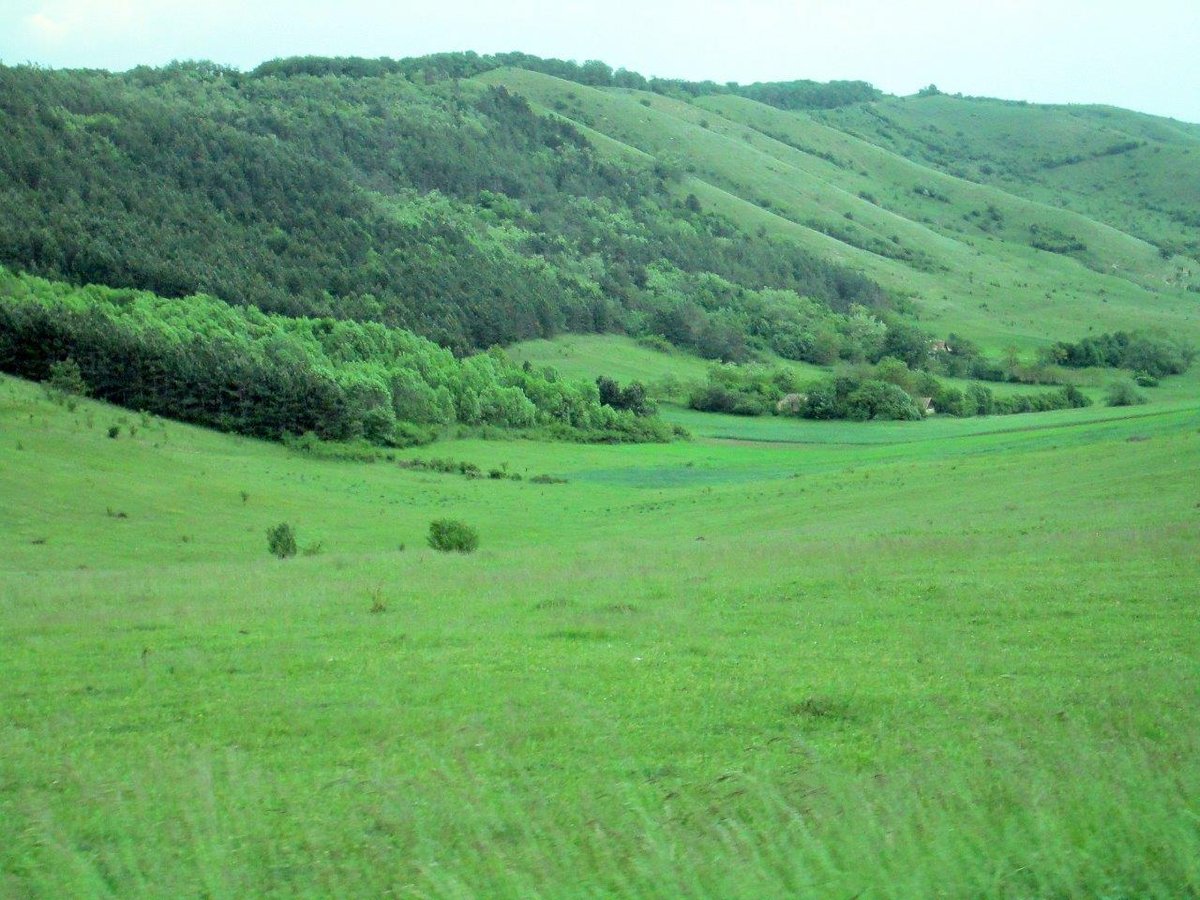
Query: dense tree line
{"x": 311, "y": 188}
{"x": 802, "y": 94}
{"x": 200, "y": 360}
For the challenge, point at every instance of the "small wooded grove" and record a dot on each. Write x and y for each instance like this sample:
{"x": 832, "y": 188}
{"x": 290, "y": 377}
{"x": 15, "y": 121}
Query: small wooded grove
{"x": 887, "y": 390}
{"x": 238, "y": 369}
{"x": 1155, "y": 355}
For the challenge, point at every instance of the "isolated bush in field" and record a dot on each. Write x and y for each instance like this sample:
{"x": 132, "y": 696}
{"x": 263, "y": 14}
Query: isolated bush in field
{"x": 281, "y": 540}
{"x": 1123, "y": 393}
{"x": 378, "y": 603}
{"x": 452, "y": 536}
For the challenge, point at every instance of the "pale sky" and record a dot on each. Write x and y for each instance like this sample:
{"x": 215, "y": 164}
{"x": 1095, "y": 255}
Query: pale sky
{"x": 1143, "y": 55}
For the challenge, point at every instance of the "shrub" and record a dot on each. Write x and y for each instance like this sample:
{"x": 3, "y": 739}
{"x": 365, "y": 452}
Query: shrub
{"x": 632, "y": 397}
{"x": 1123, "y": 393}
{"x": 281, "y": 540}
{"x": 406, "y": 434}
{"x": 66, "y": 380}
{"x": 378, "y": 604}
{"x": 978, "y": 401}
{"x": 881, "y": 400}
{"x": 713, "y": 397}
{"x": 655, "y": 342}
{"x": 452, "y": 536}
{"x": 1155, "y": 355}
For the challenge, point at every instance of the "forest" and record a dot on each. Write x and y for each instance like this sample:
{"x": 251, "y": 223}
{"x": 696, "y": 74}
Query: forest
{"x": 238, "y": 369}
{"x": 446, "y": 208}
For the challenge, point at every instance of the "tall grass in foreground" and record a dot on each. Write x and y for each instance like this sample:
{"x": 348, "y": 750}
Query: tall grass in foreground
{"x": 1082, "y": 816}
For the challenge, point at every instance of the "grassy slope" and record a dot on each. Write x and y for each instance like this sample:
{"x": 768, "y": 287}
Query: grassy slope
{"x": 961, "y": 657}
{"x": 993, "y": 286}
{"x": 1025, "y": 150}
{"x": 617, "y": 356}
{"x": 623, "y": 358}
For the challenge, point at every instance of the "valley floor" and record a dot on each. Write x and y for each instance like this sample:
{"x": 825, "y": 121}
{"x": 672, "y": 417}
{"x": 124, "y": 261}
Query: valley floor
{"x": 947, "y": 658}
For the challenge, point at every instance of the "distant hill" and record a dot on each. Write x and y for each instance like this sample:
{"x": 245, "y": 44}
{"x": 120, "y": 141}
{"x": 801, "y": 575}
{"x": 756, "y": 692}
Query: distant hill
{"x": 478, "y": 200}
{"x": 1004, "y": 266}
{"x": 1135, "y": 172}
{"x": 447, "y": 207}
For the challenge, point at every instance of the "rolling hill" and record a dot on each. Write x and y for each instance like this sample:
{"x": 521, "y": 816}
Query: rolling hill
{"x": 1000, "y": 265}
{"x": 427, "y": 194}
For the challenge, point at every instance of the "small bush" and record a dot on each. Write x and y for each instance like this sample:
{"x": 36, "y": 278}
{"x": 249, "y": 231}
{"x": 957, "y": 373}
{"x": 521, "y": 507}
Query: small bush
{"x": 281, "y": 540}
{"x": 452, "y": 536}
{"x": 66, "y": 380}
{"x": 656, "y": 342}
{"x": 113, "y": 431}
{"x": 1123, "y": 393}
{"x": 378, "y": 603}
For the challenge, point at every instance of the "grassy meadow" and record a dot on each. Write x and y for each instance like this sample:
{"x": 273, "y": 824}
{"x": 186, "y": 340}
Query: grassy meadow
{"x": 786, "y": 658}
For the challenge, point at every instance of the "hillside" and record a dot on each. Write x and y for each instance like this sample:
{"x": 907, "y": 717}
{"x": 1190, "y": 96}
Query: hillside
{"x": 427, "y": 194}
{"x": 975, "y": 258}
{"x": 1129, "y": 170}
{"x": 449, "y": 209}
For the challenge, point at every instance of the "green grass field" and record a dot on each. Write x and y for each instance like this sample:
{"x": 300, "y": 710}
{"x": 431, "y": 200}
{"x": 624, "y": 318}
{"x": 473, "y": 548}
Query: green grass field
{"x": 947, "y": 658}
{"x": 1132, "y": 171}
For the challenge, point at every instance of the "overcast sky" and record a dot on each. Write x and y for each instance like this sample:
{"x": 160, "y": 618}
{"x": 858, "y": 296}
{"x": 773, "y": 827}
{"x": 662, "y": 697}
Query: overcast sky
{"x": 1143, "y": 55}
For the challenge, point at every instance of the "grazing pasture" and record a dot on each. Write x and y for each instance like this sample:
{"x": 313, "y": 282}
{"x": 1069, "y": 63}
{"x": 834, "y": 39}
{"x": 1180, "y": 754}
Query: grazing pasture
{"x": 953, "y": 657}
